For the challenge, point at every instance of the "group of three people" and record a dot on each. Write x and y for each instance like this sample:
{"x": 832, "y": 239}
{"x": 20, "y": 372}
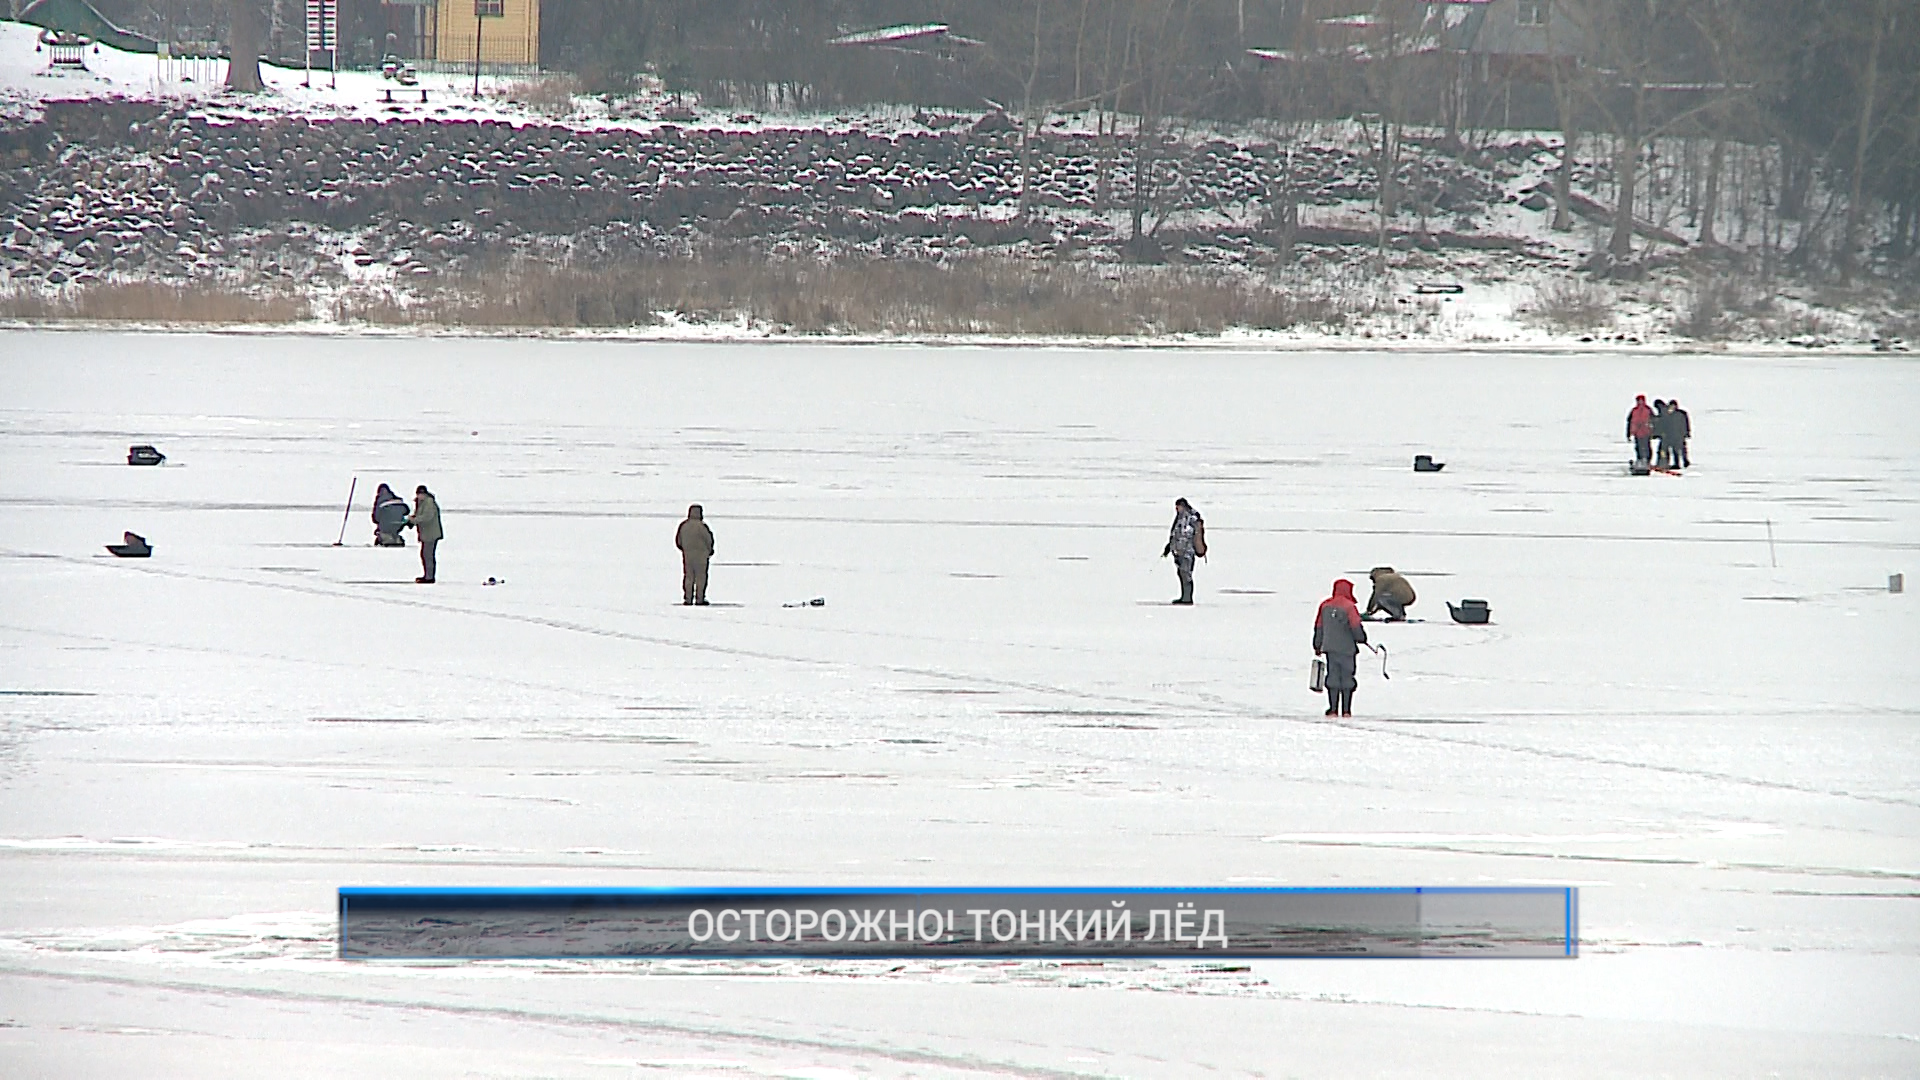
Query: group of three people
{"x": 390, "y": 515}
{"x": 1659, "y": 433}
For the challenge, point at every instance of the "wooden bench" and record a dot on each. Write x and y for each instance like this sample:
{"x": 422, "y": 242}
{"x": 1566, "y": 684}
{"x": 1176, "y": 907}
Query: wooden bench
{"x": 387, "y": 92}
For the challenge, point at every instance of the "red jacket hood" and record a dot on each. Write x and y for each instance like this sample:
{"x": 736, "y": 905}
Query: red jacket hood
{"x": 1341, "y": 599}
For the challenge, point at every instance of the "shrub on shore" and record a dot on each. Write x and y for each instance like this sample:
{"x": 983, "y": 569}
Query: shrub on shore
{"x": 1570, "y": 304}
{"x": 983, "y": 295}
{"x": 154, "y": 302}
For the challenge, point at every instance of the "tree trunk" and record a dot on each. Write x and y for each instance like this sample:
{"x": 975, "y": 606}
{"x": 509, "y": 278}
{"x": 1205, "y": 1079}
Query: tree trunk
{"x": 1142, "y": 182}
{"x": 1563, "y": 177}
{"x": 1850, "y": 234}
{"x": 1627, "y": 172}
{"x": 1710, "y": 202}
{"x": 1796, "y": 179}
{"x": 1029, "y": 123}
{"x": 243, "y": 48}
{"x": 1029, "y": 130}
{"x": 1564, "y": 104}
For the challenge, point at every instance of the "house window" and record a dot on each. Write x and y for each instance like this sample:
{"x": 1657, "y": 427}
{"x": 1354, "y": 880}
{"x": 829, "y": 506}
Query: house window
{"x": 495, "y": 9}
{"x": 1531, "y": 13}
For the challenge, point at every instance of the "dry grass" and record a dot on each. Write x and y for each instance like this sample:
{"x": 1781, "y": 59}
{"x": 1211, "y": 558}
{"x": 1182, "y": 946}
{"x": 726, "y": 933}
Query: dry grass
{"x": 1714, "y": 306}
{"x": 548, "y": 95}
{"x": 154, "y": 302}
{"x": 1901, "y": 316}
{"x": 1570, "y": 304}
{"x": 988, "y": 295}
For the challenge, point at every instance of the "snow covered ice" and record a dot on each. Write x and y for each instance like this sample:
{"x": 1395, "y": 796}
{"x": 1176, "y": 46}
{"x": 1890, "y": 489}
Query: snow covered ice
{"x": 200, "y": 747}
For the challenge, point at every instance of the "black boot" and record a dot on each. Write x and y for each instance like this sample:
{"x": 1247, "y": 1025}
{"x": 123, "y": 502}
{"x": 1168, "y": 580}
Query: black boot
{"x": 1333, "y": 702}
{"x": 1346, "y": 703}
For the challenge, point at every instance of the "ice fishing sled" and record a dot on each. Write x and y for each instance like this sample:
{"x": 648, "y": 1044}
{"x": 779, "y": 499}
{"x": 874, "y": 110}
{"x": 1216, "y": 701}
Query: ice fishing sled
{"x": 1425, "y": 463}
{"x": 144, "y": 455}
{"x": 1472, "y": 612}
{"x": 133, "y": 546}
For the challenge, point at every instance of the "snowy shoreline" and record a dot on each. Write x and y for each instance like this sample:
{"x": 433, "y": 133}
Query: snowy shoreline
{"x": 738, "y": 335}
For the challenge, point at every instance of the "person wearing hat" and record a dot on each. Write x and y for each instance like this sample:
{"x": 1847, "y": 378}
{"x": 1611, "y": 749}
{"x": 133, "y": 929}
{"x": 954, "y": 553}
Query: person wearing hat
{"x": 695, "y": 542}
{"x": 1662, "y": 435}
{"x": 389, "y": 517}
{"x": 1186, "y": 540}
{"x": 1338, "y": 635}
{"x": 1392, "y": 594}
{"x": 1640, "y": 430}
{"x": 426, "y": 522}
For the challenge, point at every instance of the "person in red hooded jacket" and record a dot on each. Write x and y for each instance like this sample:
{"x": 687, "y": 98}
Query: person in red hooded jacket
{"x": 1338, "y": 635}
{"x": 1640, "y": 429}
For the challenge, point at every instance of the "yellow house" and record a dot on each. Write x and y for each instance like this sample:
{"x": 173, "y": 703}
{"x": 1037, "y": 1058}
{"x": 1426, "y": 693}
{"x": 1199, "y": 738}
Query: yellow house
{"x": 508, "y": 33}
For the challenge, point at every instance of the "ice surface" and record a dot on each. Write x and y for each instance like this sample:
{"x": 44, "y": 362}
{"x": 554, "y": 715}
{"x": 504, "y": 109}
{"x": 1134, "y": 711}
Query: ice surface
{"x": 196, "y": 749}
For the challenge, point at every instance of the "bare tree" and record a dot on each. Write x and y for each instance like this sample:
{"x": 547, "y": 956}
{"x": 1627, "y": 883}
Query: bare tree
{"x": 1863, "y": 137}
{"x": 1157, "y": 40}
{"x": 1637, "y": 45}
{"x": 1393, "y": 49}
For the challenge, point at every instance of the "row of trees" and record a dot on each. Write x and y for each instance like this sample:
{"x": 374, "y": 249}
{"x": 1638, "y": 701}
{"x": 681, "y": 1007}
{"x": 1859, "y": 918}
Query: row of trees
{"x": 1827, "y": 90}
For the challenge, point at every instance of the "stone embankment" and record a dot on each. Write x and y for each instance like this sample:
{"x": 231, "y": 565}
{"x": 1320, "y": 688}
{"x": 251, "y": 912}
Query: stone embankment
{"x": 92, "y": 191}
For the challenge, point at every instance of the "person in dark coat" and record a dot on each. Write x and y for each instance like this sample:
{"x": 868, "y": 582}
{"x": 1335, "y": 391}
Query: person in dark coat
{"x": 1662, "y": 451}
{"x": 1392, "y": 594}
{"x": 1640, "y": 429}
{"x": 695, "y": 542}
{"x": 1682, "y": 431}
{"x": 425, "y": 520}
{"x": 1186, "y": 540}
{"x": 389, "y": 517}
{"x": 1338, "y": 635}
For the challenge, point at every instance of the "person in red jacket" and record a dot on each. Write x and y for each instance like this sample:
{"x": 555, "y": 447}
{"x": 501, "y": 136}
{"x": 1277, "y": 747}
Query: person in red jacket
{"x": 1640, "y": 430}
{"x": 1338, "y": 635}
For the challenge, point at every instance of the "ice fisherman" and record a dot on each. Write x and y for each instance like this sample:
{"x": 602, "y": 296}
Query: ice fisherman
{"x": 1640, "y": 429}
{"x": 1662, "y": 427}
{"x": 1338, "y": 635}
{"x": 426, "y": 521}
{"x": 1186, "y": 540}
{"x": 1392, "y": 594}
{"x": 1681, "y": 426}
{"x": 695, "y": 542}
{"x": 389, "y": 517}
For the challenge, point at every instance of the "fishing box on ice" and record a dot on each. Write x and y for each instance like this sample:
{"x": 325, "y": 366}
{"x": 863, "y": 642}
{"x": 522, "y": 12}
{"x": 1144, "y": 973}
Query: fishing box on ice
{"x": 1470, "y": 611}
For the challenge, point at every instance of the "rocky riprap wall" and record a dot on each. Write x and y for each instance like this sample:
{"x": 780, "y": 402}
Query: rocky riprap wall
{"x": 92, "y": 190}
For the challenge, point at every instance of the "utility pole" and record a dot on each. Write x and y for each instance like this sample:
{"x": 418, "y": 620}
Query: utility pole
{"x": 479, "y": 24}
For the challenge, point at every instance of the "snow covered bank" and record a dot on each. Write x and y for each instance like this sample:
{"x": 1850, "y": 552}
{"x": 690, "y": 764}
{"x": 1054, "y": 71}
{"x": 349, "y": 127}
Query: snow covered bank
{"x": 342, "y": 197}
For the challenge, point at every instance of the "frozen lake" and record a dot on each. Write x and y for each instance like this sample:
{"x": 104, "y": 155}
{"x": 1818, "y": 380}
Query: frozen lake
{"x": 1712, "y": 735}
